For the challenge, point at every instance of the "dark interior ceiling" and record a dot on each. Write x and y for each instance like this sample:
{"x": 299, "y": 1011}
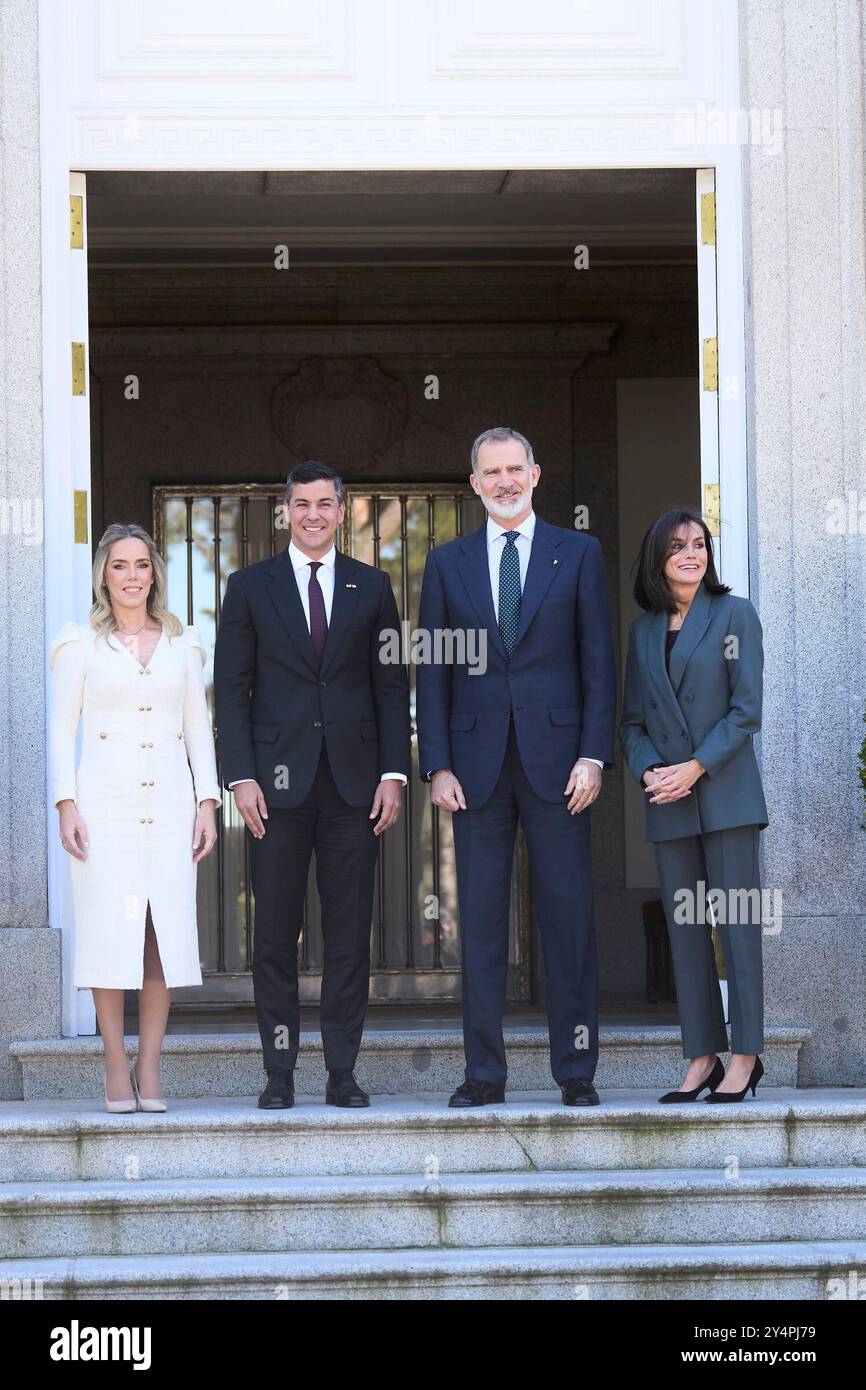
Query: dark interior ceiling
{"x": 495, "y": 216}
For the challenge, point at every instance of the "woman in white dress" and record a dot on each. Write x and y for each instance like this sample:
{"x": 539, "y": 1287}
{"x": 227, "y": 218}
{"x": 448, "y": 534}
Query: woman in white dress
{"x": 139, "y": 812}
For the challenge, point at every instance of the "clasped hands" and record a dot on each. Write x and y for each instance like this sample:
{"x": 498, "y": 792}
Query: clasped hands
{"x": 666, "y": 784}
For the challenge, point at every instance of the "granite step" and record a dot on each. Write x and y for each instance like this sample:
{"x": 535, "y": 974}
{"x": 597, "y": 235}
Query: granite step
{"x": 391, "y": 1062}
{"x": 191, "y": 1216}
{"x": 59, "y": 1141}
{"x": 801, "y": 1270}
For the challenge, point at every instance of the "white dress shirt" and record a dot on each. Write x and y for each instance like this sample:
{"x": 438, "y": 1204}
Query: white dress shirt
{"x": 495, "y": 547}
{"x": 325, "y": 575}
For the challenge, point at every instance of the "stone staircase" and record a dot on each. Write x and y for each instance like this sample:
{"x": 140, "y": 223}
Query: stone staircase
{"x": 393, "y": 1061}
{"x": 529, "y": 1199}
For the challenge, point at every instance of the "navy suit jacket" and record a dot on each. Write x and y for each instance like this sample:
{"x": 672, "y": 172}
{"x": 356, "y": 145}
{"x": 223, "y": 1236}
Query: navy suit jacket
{"x": 709, "y": 708}
{"x": 273, "y": 703}
{"x": 560, "y": 680}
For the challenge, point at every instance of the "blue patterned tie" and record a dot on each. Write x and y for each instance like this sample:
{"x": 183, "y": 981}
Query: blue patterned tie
{"x": 509, "y": 592}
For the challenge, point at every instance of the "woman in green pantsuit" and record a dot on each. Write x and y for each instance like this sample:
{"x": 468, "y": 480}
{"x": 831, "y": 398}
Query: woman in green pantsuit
{"x": 691, "y": 707}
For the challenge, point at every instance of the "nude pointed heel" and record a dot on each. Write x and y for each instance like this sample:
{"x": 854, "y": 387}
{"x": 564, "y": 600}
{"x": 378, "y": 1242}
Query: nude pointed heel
{"x": 119, "y": 1107}
{"x": 156, "y": 1107}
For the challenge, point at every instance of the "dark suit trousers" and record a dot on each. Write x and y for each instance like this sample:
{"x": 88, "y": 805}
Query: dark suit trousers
{"x": 727, "y": 861}
{"x": 559, "y": 856}
{"x": 346, "y": 851}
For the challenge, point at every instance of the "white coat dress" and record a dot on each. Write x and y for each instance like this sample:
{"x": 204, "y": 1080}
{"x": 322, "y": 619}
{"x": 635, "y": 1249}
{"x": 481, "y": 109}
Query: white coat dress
{"x": 147, "y": 760}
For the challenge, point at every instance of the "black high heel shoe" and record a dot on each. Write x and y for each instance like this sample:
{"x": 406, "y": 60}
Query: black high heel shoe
{"x": 716, "y": 1075}
{"x": 724, "y": 1097}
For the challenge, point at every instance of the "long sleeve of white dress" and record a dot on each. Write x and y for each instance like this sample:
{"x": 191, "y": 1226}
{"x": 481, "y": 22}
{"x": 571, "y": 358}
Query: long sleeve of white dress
{"x": 67, "y": 660}
{"x": 197, "y": 730}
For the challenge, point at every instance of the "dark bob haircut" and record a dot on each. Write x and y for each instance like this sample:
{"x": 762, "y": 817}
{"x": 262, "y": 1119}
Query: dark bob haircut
{"x": 312, "y": 472}
{"x": 651, "y": 588}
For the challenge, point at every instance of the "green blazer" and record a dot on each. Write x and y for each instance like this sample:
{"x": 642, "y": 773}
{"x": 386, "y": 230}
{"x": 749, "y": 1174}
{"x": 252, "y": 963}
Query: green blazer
{"x": 709, "y": 708}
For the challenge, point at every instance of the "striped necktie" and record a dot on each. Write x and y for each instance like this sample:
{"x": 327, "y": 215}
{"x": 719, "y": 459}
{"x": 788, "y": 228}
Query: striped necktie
{"x": 509, "y": 592}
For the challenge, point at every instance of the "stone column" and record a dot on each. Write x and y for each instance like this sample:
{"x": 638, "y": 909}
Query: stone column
{"x": 806, "y": 345}
{"x": 29, "y": 951}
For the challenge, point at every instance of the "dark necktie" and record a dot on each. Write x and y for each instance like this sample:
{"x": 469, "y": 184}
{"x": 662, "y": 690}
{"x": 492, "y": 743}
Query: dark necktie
{"x": 509, "y": 592}
{"x": 318, "y": 620}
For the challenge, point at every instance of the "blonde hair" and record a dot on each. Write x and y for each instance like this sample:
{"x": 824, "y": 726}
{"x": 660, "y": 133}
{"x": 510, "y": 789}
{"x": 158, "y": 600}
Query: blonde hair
{"x": 102, "y": 618}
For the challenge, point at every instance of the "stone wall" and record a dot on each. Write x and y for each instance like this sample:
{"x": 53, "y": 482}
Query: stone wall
{"x": 29, "y": 952}
{"x": 806, "y": 330}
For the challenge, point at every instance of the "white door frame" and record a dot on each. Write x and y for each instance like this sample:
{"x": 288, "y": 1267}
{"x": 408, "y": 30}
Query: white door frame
{"x": 106, "y": 83}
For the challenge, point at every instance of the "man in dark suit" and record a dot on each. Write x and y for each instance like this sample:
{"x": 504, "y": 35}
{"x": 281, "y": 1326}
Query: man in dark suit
{"x": 524, "y": 739}
{"x": 314, "y": 739}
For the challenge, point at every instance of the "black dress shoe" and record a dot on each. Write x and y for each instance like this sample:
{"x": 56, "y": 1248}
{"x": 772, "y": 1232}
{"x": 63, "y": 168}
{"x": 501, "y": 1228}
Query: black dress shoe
{"x": 476, "y": 1093}
{"x": 579, "y": 1090}
{"x": 279, "y": 1094}
{"x": 716, "y": 1075}
{"x": 732, "y": 1097}
{"x": 343, "y": 1090}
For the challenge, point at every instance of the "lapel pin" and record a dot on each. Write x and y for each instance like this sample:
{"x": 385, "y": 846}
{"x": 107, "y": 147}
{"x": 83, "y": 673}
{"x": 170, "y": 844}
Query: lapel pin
{"x": 351, "y": 586}
{"x": 556, "y": 562}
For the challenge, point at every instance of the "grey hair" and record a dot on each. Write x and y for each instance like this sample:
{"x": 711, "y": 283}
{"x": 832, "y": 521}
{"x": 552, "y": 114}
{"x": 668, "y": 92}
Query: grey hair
{"x": 499, "y": 434}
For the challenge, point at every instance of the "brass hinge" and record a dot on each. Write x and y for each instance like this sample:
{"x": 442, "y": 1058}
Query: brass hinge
{"x": 711, "y": 364}
{"x": 79, "y": 517}
{"x": 78, "y": 380}
{"x": 76, "y": 222}
{"x": 713, "y": 508}
{"x": 708, "y": 219}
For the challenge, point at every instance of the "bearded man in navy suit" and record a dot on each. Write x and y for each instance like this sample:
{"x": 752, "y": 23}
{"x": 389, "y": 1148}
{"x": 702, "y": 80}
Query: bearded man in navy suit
{"x": 523, "y": 739}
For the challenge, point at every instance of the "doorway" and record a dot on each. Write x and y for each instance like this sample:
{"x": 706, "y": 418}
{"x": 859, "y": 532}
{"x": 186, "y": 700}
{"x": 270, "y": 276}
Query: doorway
{"x": 405, "y": 320}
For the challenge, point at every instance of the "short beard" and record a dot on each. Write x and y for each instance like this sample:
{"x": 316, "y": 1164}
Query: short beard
{"x": 500, "y": 507}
